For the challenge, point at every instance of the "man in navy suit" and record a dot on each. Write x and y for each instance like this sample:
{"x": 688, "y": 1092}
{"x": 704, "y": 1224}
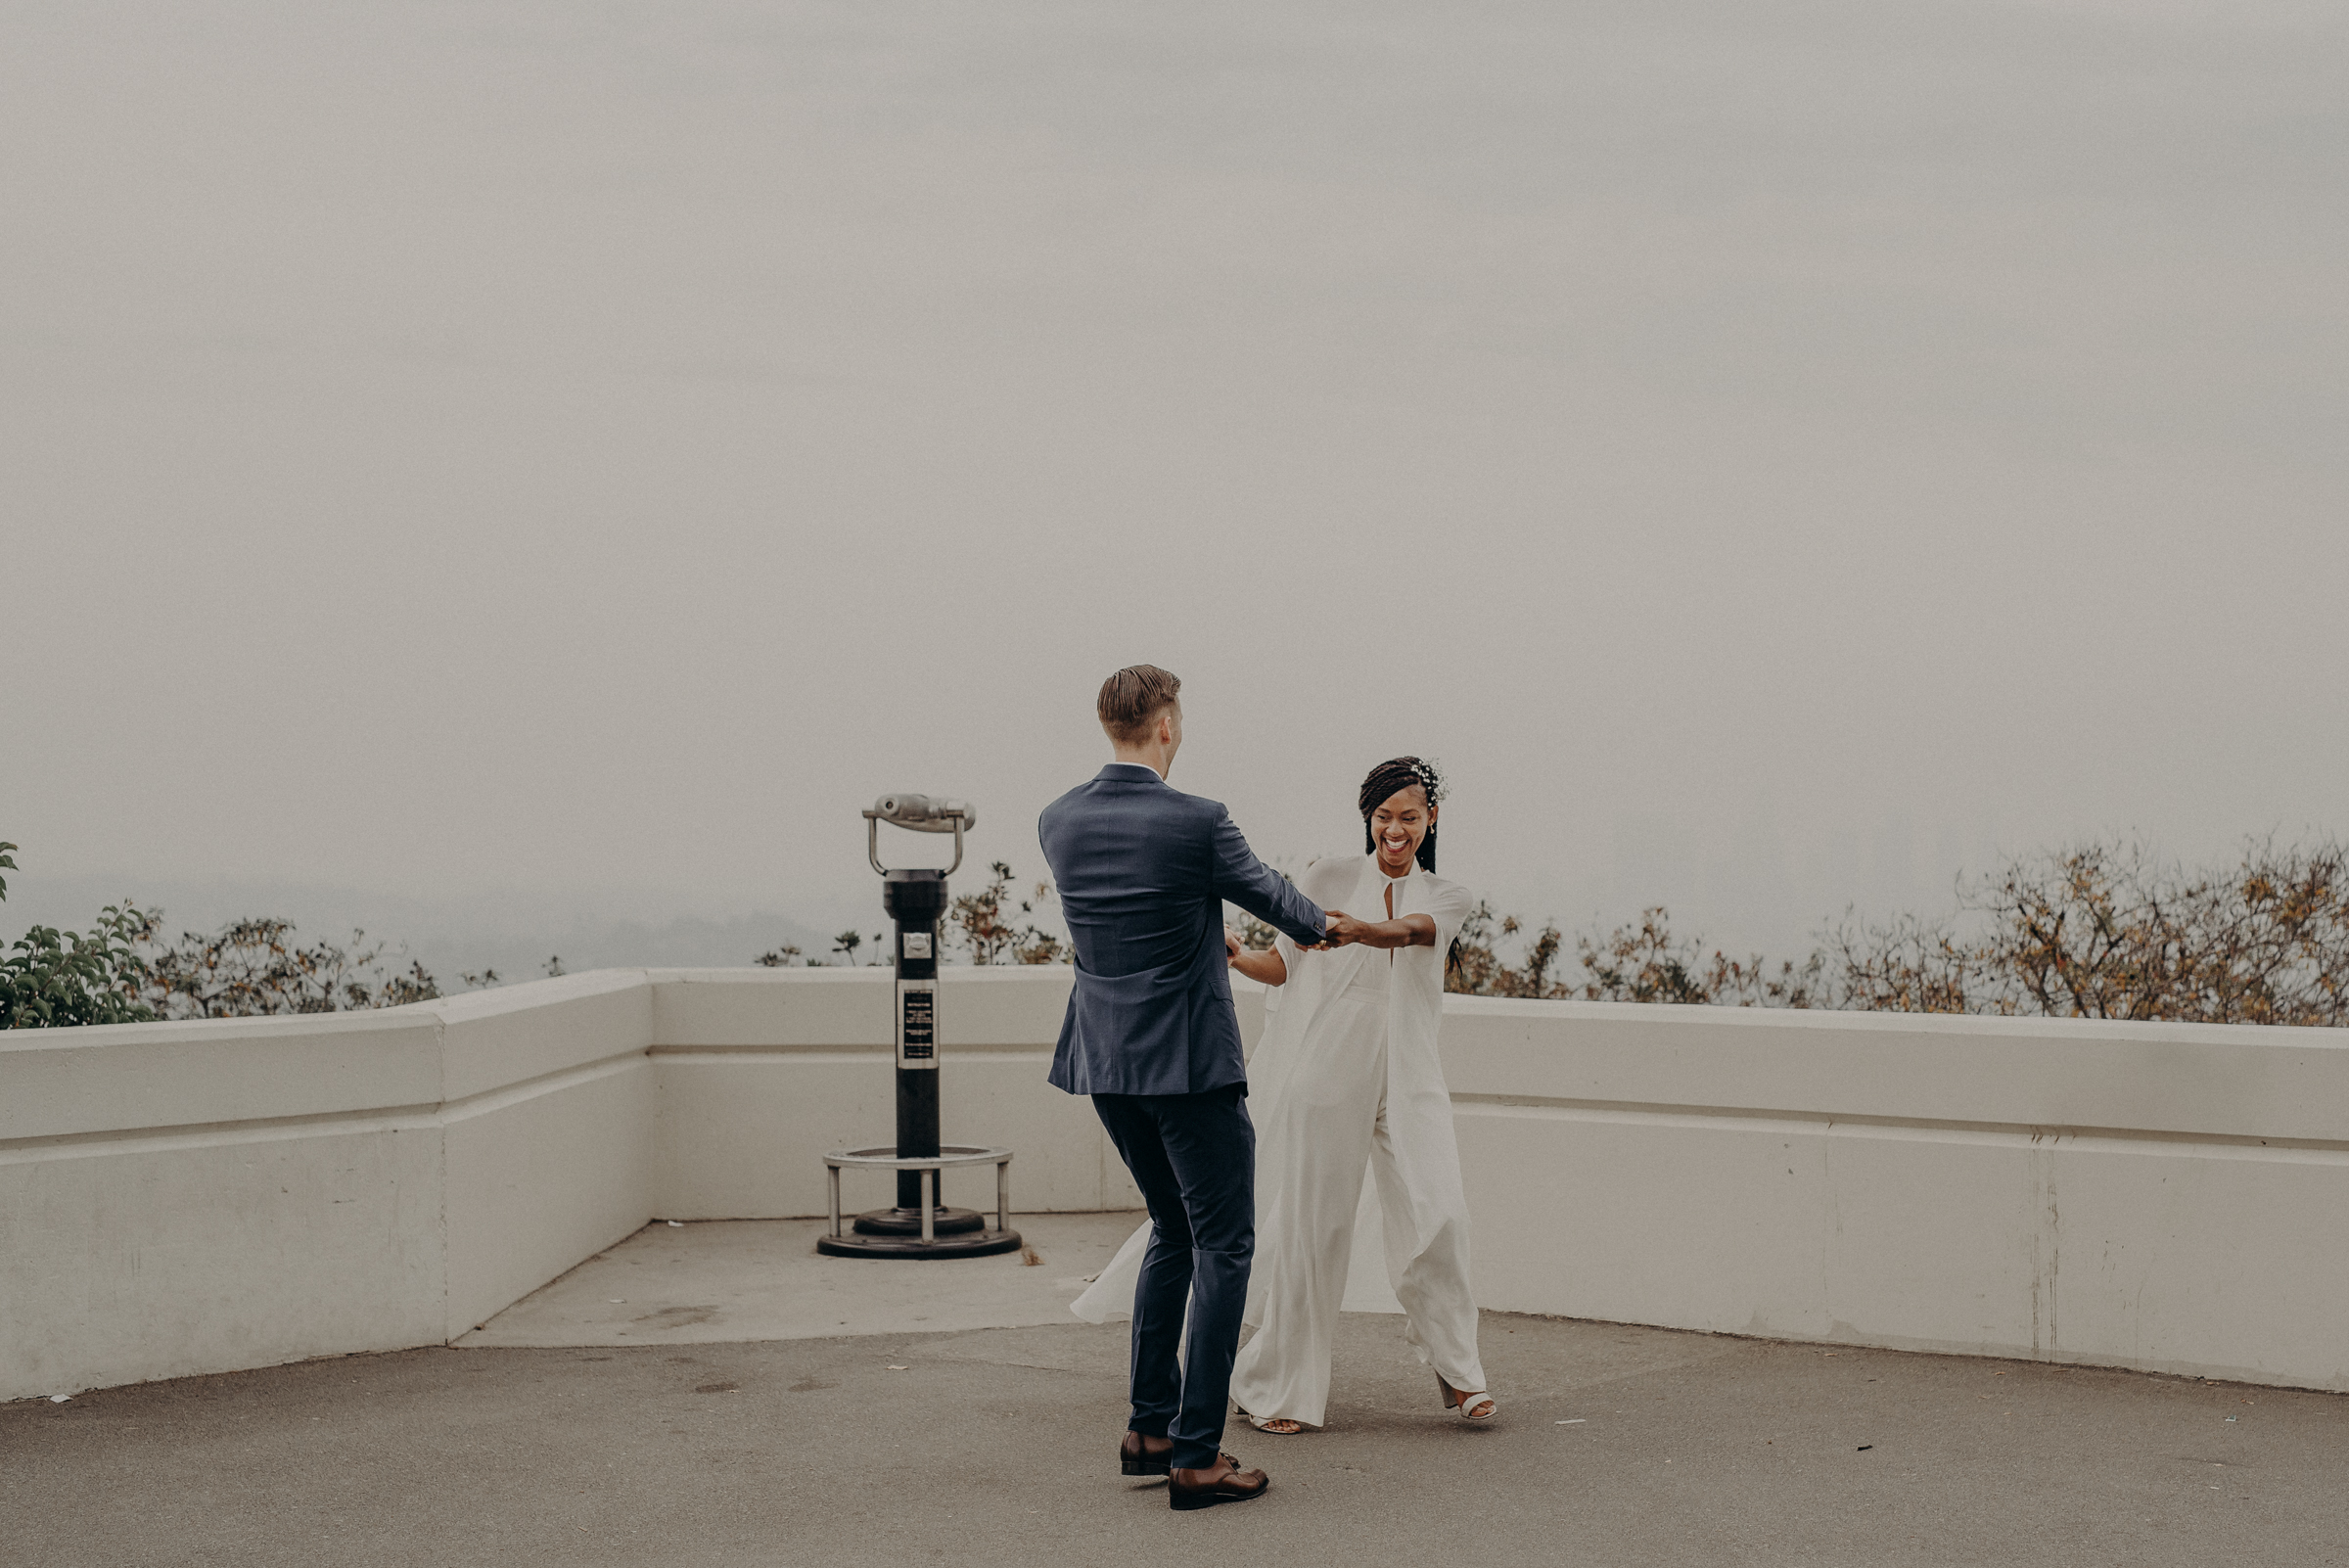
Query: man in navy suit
{"x": 1144, "y": 871}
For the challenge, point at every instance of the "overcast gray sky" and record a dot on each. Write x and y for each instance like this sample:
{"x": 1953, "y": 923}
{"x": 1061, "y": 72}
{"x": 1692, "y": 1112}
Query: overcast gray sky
{"x": 575, "y": 456}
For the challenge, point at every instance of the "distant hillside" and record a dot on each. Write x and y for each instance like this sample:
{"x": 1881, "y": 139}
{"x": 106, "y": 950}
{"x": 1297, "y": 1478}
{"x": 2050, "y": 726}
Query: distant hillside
{"x": 514, "y": 933}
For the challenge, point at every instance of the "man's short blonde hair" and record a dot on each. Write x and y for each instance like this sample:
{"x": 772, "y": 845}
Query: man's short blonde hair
{"x": 1132, "y": 697}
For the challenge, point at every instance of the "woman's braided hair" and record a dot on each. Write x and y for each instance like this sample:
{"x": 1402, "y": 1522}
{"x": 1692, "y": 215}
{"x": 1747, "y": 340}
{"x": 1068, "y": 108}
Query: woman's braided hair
{"x": 1391, "y": 777}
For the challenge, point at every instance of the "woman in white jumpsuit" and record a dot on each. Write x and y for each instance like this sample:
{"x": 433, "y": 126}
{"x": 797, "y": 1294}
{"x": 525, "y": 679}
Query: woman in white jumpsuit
{"x": 1344, "y": 1079}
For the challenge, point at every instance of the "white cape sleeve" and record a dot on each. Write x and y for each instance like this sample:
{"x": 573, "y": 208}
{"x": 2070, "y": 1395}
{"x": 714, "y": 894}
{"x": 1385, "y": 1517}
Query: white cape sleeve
{"x": 1111, "y": 1294}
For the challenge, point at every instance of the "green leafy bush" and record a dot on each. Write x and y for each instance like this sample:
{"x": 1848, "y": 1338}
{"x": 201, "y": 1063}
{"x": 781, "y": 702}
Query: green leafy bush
{"x": 52, "y": 978}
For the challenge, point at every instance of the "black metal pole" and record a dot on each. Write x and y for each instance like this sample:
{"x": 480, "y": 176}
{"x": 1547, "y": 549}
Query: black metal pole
{"x": 915, "y": 900}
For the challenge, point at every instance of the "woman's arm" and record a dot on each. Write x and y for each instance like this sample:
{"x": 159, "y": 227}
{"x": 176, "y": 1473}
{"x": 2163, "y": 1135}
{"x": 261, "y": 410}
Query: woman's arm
{"x": 1266, "y": 968}
{"x": 1412, "y": 931}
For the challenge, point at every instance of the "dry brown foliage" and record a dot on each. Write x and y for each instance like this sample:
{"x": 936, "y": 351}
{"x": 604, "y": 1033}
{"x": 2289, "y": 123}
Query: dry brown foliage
{"x": 982, "y": 924}
{"x": 255, "y": 968}
{"x": 2097, "y": 931}
{"x": 2114, "y": 931}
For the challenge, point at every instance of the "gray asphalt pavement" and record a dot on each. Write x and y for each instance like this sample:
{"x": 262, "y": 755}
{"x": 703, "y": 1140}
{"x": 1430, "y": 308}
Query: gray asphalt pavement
{"x": 995, "y": 1446}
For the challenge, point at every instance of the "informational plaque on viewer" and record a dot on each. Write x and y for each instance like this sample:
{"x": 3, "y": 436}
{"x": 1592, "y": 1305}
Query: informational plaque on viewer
{"x": 917, "y": 1023}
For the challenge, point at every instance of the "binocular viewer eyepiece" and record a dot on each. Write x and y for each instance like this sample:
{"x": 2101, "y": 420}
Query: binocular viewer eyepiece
{"x": 922, "y": 814}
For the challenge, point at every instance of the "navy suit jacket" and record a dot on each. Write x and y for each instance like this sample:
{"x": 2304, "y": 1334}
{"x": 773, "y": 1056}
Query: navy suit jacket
{"x": 1144, "y": 871}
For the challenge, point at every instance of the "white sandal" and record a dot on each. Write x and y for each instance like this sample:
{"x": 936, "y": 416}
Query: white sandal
{"x": 1470, "y": 1404}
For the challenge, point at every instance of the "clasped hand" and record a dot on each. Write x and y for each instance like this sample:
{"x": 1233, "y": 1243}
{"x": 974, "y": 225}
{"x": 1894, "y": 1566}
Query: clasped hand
{"x": 1338, "y": 930}
{"x": 1341, "y": 930}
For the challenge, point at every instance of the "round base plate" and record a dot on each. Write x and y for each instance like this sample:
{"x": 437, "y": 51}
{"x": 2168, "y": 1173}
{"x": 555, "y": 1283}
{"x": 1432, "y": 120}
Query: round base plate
{"x": 976, "y": 1244}
{"x": 908, "y": 1222}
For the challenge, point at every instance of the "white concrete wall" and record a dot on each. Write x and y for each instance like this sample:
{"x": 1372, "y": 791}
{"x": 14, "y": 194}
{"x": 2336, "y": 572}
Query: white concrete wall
{"x": 182, "y": 1198}
{"x": 2173, "y": 1197}
{"x": 194, "y": 1197}
{"x": 759, "y": 1071}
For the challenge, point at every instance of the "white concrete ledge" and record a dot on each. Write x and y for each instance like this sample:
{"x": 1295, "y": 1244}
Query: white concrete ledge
{"x": 120, "y": 1078}
{"x": 2198, "y": 1079}
{"x": 181, "y": 1198}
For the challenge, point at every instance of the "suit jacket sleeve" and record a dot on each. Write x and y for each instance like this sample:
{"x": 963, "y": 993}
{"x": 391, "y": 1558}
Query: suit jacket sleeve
{"x": 1244, "y": 880}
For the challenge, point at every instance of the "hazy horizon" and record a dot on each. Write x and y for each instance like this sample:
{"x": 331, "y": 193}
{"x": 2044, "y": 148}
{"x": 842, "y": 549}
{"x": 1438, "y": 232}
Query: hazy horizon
{"x": 497, "y": 456}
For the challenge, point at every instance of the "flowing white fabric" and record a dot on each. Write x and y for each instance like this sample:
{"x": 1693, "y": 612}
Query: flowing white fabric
{"x": 1110, "y": 1295}
{"x": 1347, "y": 1080}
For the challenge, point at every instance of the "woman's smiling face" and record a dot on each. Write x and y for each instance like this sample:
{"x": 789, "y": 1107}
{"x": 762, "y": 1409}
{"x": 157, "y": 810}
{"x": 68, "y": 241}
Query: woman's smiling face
{"x": 1398, "y": 827}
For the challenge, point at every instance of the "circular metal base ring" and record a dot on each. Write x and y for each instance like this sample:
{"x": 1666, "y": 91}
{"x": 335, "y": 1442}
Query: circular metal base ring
{"x": 908, "y": 1222}
{"x": 981, "y": 1244}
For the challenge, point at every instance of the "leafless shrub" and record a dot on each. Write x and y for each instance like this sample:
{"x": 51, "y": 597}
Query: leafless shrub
{"x": 1640, "y": 962}
{"x": 1474, "y": 964}
{"x": 1906, "y": 965}
{"x": 255, "y": 967}
{"x": 2097, "y": 931}
{"x": 2115, "y": 931}
{"x": 986, "y": 925}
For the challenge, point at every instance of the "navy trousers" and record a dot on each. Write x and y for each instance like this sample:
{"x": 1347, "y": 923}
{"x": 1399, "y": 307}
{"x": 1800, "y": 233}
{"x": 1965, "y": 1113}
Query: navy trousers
{"x": 1194, "y": 1158}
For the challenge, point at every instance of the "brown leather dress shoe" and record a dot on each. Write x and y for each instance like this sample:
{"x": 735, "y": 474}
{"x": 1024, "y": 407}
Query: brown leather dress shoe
{"x": 1225, "y": 1482}
{"x": 1136, "y": 1457}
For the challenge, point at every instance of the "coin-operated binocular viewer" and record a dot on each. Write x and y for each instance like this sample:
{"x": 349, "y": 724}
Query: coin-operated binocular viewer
{"x": 920, "y": 1226}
